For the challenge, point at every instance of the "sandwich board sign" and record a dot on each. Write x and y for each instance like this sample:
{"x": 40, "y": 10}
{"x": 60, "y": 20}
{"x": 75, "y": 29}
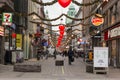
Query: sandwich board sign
{"x": 101, "y": 57}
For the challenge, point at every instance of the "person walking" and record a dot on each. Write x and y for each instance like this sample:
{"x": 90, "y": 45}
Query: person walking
{"x": 55, "y": 52}
{"x": 47, "y": 52}
{"x": 70, "y": 56}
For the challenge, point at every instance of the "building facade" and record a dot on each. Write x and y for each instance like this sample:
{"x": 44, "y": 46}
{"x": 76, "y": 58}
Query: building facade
{"x": 110, "y": 30}
{"x": 5, "y": 6}
{"x": 29, "y": 49}
{"x": 77, "y": 30}
{"x": 20, "y": 21}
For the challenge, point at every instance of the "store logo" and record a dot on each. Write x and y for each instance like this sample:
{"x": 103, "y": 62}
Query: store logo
{"x": 7, "y": 19}
{"x": 97, "y": 20}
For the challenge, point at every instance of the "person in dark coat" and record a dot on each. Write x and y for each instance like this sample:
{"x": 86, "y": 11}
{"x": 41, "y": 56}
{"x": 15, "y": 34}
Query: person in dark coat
{"x": 55, "y": 52}
{"x": 70, "y": 55}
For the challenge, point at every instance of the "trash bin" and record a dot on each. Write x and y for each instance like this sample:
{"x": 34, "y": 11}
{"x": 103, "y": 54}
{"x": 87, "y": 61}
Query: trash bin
{"x": 59, "y": 60}
{"x": 89, "y": 67}
{"x": 13, "y": 57}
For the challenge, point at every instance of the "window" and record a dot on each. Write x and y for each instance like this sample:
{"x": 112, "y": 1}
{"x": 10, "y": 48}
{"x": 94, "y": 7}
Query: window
{"x": 113, "y": 19}
{"x": 112, "y": 15}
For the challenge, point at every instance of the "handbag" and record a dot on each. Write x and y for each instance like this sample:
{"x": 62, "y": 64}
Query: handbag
{"x": 72, "y": 59}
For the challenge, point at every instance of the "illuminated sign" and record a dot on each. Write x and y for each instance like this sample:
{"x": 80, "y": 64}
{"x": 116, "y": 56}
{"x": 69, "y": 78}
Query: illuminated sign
{"x": 97, "y": 20}
{"x": 1, "y": 31}
{"x": 7, "y": 19}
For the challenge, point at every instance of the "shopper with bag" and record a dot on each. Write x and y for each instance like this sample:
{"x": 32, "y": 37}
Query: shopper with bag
{"x": 70, "y": 56}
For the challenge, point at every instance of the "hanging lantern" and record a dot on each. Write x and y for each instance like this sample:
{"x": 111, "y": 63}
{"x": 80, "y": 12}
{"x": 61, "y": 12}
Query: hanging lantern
{"x": 59, "y": 42}
{"x": 64, "y": 3}
{"x": 61, "y": 36}
{"x": 61, "y": 27}
{"x": 62, "y": 32}
{"x": 13, "y": 35}
{"x": 57, "y": 45}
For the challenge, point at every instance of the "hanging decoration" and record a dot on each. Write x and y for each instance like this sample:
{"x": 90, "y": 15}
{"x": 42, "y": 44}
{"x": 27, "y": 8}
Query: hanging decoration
{"x": 64, "y": 3}
{"x": 61, "y": 27}
{"x": 13, "y": 35}
{"x": 54, "y": 25}
{"x": 61, "y": 30}
{"x": 73, "y": 1}
{"x": 75, "y": 19}
{"x": 86, "y": 4}
{"x": 45, "y": 4}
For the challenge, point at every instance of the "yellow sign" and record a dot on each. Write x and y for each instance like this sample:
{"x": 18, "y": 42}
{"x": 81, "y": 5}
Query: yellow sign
{"x": 90, "y": 56}
{"x": 19, "y": 41}
{"x": 97, "y": 20}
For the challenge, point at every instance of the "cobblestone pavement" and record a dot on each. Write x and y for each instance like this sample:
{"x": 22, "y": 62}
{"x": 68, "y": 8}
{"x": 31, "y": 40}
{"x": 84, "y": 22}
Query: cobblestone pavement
{"x": 77, "y": 71}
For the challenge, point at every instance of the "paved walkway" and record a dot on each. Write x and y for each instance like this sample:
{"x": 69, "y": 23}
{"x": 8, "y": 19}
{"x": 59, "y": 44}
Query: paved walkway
{"x": 77, "y": 71}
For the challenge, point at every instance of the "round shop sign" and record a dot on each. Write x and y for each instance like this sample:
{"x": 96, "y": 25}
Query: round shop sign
{"x": 97, "y": 20}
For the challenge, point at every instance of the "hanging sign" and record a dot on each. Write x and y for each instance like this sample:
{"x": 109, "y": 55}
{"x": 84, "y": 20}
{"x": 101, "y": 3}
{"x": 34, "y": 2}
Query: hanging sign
{"x": 19, "y": 41}
{"x": 7, "y": 19}
{"x": 97, "y": 20}
{"x": 1, "y": 31}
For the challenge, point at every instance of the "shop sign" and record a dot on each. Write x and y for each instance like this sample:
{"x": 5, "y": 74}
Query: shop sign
{"x": 19, "y": 41}
{"x": 1, "y": 31}
{"x": 100, "y": 57}
{"x": 7, "y": 19}
{"x": 114, "y": 32}
{"x": 97, "y": 20}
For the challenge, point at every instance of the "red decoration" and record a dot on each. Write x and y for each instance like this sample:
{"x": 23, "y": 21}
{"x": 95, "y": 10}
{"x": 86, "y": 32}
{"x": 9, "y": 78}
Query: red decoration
{"x": 59, "y": 42}
{"x": 37, "y": 34}
{"x": 106, "y": 35}
{"x": 64, "y": 3}
{"x": 61, "y": 27}
{"x": 62, "y": 32}
{"x": 61, "y": 36}
{"x": 13, "y": 35}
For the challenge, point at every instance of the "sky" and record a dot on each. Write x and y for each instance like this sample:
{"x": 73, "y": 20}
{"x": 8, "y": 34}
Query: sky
{"x": 56, "y": 10}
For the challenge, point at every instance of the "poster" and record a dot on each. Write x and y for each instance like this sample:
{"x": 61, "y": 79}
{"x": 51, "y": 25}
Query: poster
{"x": 19, "y": 42}
{"x": 100, "y": 56}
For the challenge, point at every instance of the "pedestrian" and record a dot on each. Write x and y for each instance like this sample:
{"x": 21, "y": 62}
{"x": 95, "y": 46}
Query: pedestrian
{"x": 40, "y": 53}
{"x": 47, "y": 52}
{"x": 54, "y": 54}
{"x": 70, "y": 56}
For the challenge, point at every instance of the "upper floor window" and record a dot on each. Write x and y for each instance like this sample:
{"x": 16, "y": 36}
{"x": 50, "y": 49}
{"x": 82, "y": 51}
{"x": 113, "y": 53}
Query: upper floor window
{"x": 113, "y": 15}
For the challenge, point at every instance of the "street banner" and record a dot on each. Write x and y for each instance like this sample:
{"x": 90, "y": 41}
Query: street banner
{"x": 19, "y": 42}
{"x": 7, "y": 19}
{"x": 100, "y": 56}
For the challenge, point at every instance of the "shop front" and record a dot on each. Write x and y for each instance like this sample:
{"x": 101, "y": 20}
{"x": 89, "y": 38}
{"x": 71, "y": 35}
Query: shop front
{"x": 1, "y": 44}
{"x": 112, "y": 39}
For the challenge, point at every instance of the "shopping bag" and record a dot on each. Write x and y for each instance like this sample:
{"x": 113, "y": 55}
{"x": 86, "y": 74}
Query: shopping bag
{"x": 72, "y": 60}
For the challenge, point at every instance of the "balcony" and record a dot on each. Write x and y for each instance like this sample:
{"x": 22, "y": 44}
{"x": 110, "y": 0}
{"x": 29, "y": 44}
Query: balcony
{"x": 8, "y": 3}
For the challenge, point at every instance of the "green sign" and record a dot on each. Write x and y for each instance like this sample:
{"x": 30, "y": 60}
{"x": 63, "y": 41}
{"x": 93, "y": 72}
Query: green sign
{"x": 7, "y": 19}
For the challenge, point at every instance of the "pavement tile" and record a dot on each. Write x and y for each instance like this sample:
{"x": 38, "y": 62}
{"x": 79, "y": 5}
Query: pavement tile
{"x": 76, "y": 71}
